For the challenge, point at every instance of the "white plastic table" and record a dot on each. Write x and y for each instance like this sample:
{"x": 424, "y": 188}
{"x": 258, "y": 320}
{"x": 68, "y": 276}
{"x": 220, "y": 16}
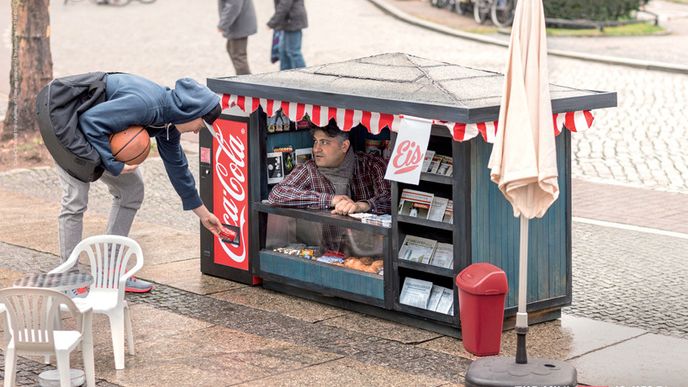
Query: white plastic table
{"x": 56, "y": 281}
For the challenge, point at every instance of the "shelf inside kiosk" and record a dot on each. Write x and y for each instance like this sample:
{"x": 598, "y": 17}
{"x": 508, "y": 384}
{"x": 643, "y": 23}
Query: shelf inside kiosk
{"x": 427, "y": 205}
{"x": 313, "y": 249}
{"x": 426, "y": 295}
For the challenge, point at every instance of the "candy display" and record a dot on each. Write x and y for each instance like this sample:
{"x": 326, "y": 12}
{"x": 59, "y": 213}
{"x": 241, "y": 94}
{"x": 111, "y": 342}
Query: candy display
{"x": 366, "y": 264}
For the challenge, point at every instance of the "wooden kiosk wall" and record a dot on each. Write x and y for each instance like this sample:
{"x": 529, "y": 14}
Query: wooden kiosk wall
{"x": 484, "y": 230}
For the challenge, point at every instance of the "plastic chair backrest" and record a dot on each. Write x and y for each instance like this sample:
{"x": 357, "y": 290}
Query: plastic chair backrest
{"x": 32, "y": 315}
{"x": 108, "y": 256}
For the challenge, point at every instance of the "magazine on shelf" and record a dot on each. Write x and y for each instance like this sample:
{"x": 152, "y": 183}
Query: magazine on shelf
{"x": 435, "y": 296}
{"x": 386, "y": 149}
{"x": 415, "y": 203}
{"x": 446, "y": 168}
{"x": 443, "y": 256}
{"x": 417, "y": 249}
{"x": 429, "y": 154}
{"x": 439, "y": 205}
{"x": 446, "y": 303}
{"x": 415, "y": 292}
{"x": 274, "y": 167}
{"x": 302, "y": 155}
{"x": 435, "y": 163}
{"x": 287, "y": 152}
{"x": 449, "y": 213}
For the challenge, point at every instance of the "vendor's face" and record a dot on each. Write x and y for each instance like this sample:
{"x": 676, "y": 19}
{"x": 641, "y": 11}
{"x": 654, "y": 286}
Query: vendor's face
{"x": 328, "y": 151}
{"x": 191, "y": 126}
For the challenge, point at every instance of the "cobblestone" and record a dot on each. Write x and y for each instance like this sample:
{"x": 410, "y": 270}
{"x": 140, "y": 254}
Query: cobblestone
{"x": 628, "y": 277}
{"x": 329, "y": 339}
{"x": 650, "y": 110}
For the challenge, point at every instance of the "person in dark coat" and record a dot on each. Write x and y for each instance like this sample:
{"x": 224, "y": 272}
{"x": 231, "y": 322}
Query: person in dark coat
{"x": 290, "y": 17}
{"x": 237, "y": 23}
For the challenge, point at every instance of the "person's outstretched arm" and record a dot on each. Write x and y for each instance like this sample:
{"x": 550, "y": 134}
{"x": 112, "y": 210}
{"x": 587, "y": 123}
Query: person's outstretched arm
{"x": 208, "y": 220}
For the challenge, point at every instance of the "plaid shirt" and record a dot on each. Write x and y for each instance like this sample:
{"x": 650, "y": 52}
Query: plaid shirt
{"x": 306, "y": 187}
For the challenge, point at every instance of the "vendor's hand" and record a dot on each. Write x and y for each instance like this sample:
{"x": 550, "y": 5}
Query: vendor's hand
{"x": 336, "y": 199}
{"x": 350, "y": 207}
{"x": 129, "y": 168}
{"x": 212, "y": 223}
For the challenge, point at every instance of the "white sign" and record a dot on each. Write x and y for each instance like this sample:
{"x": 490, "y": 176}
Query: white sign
{"x": 409, "y": 150}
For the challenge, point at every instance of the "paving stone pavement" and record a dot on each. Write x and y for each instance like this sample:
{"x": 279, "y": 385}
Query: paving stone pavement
{"x": 643, "y": 142}
{"x": 621, "y": 276}
{"x": 331, "y": 339}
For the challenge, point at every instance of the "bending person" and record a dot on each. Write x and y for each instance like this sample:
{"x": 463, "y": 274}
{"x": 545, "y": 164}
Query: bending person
{"x": 166, "y": 114}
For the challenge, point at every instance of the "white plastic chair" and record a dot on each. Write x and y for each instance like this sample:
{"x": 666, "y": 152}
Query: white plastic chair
{"x": 109, "y": 256}
{"x": 32, "y": 313}
{"x": 5, "y": 320}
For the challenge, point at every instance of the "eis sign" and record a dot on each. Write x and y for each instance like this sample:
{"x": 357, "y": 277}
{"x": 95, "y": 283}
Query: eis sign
{"x": 230, "y": 191}
{"x": 409, "y": 150}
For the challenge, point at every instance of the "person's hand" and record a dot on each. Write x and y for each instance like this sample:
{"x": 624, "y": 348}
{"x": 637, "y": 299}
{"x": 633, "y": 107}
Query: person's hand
{"x": 345, "y": 207}
{"x": 212, "y": 223}
{"x": 336, "y": 199}
{"x": 129, "y": 168}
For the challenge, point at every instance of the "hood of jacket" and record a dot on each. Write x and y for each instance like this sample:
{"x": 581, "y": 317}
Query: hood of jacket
{"x": 187, "y": 101}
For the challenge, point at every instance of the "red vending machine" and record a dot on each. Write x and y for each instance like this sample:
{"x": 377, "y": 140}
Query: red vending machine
{"x": 225, "y": 190}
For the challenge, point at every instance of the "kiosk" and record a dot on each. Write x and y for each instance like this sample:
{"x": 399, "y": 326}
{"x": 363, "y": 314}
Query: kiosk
{"x": 267, "y": 113}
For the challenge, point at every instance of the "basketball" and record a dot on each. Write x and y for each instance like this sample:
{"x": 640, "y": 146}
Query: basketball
{"x": 130, "y": 146}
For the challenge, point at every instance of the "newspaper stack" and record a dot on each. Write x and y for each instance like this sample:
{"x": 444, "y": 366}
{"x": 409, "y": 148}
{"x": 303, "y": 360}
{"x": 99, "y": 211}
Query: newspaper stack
{"x": 377, "y": 220}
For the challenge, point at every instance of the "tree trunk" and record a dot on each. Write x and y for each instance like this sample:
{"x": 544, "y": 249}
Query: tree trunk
{"x": 32, "y": 64}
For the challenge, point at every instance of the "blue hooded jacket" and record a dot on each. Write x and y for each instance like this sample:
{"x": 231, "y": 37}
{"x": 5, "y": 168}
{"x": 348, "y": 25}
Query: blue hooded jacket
{"x": 134, "y": 100}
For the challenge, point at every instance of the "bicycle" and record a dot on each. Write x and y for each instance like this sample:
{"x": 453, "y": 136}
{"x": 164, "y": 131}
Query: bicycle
{"x": 440, "y": 3}
{"x": 458, "y": 6}
{"x": 481, "y": 10}
{"x": 501, "y": 12}
{"x": 114, "y": 3}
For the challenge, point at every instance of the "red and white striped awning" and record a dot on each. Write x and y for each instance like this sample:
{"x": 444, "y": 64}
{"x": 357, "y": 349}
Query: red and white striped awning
{"x": 375, "y": 122}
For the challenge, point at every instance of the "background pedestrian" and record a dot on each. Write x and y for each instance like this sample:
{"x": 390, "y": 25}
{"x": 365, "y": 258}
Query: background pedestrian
{"x": 237, "y": 23}
{"x": 291, "y": 18}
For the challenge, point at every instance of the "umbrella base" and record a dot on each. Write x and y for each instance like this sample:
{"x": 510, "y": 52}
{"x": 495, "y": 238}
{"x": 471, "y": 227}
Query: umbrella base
{"x": 504, "y": 371}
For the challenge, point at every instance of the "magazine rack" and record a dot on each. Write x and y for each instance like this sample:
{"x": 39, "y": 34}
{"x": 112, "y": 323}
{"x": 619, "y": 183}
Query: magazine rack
{"x": 483, "y": 227}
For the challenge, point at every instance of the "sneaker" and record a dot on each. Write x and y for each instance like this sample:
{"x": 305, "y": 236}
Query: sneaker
{"x": 77, "y": 293}
{"x": 136, "y": 285}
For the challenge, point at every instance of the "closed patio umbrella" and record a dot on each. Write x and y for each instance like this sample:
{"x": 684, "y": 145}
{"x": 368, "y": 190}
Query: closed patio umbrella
{"x": 523, "y": 164}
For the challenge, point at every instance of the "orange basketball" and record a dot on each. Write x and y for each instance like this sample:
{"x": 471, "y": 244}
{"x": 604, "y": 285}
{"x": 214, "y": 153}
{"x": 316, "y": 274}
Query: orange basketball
{"x": 130, "y": 146}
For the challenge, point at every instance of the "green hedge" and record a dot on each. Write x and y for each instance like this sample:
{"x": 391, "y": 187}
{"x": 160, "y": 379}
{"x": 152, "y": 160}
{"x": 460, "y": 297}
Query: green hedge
{"x": 597, "y": 10}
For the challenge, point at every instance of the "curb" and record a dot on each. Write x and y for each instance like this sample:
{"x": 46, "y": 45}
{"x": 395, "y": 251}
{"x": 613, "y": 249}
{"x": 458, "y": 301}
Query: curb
{"x": 635, "y": 63}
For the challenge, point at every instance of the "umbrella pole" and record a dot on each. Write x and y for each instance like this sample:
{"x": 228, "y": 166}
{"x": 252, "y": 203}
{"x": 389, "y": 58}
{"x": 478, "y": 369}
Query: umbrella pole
{"x": 522, "y": 314}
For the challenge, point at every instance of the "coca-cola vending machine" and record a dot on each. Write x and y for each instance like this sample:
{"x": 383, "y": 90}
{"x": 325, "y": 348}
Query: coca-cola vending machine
{"x": 225, "y": 190}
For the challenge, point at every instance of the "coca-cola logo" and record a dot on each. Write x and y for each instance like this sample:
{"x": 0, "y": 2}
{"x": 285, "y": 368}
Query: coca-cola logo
{"x": 407, "y": 158}
{"x": 230, "y": 165}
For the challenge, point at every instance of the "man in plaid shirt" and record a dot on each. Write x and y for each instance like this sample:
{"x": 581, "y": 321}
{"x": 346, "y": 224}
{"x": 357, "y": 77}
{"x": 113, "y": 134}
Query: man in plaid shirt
{"x": 336, "y": 178}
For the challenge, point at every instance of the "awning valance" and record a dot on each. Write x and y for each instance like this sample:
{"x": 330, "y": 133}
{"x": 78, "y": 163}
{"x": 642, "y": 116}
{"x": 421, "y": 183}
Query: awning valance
{"x": 375, "y": 122}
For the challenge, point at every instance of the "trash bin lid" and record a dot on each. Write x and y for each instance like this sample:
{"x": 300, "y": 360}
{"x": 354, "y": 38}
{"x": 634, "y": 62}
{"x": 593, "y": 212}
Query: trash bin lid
{"x": 482, "y": 279}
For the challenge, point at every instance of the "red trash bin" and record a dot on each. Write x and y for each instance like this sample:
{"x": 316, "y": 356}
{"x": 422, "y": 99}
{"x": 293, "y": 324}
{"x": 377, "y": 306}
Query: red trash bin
{"x": 482, "y": 290}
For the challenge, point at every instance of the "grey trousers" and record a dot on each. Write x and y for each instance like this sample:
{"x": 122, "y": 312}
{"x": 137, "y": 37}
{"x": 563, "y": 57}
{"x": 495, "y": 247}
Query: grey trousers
{"x": 127, "y": 196}
{"x": 236, "y": 48}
